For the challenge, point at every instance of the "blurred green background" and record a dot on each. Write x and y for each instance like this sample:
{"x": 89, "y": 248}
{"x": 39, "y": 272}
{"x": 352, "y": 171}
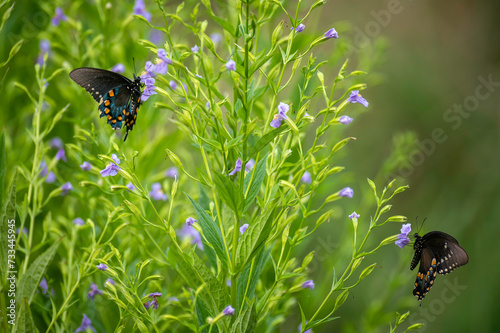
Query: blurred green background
{"x": 423, "y": 59}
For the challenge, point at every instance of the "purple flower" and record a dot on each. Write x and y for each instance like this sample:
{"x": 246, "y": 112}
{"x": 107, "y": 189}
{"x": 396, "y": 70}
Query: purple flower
{"x": 207, "y": 105}
{"x": 332, "y": 33}
{"x": 150, "y": 88}
{"x": 86, "y": 324}
{"x": 140, "y": 9}
{"x": 243, "y": 228}
{"x": 228, "y": 282}
{"x": 115, "y": 158}
{"x": 58, "y": 17}
{"x": 44, "y": 48}
{"x": 154, "y": 301}
{"x": 354, "y": 215}
{"x": 102, "y": 267}
{"x": 156, "y": 36}
{"x": 306, "y": 178}
{"x": 130, "y": 187}
{"x": 357, "y": 98}
{"x": 230, "y": 65}
{"x": 403, "y": 236}
{"x": 61, "y": 155}
{"x": 172, "y": 85}
{"x": 195, "y": 49}
{"x": 56, "y": 143}
{"x": 300, "y": 28}
{"x": 171, "y": 172}
{"x": 345, "y": 120}
{"x": 43, "y": 167}
{"x": 110, "y": 281}
{"x": 51, "y": 177}
{"x": 66, "y": 188}
{"x": 216, "y": 37}
{"x": 93, "y": 291}
{"x": 110, "y": 170}
{"x": 281, "y": 115}
{"x": 250, "y": 164}
{"x": 190, "y": 221}
{"x": 24, "y": 231}
{"x": 44, "y": 286}
{"x": 78, "y": 221}
{"x": 198, "y": 76}
{"x": 308, "y": 284}
{"x": 346, "y": 192}
{"x": 157, "y": 193}
{"x": 228, "y": 311}
{"x": 193, "y": 234}
{"x": 162, "y": 63}
{"x": 300, "y": 329}
{"x": 118, "y": 68}
{"x": 237, "y": 167}
{"x": 86, "y": 166}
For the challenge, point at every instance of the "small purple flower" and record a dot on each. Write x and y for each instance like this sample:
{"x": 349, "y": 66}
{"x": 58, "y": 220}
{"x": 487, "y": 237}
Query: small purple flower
{"x": 44, "y": 286}
{"x": 102, "y": 267}
{"x": 78, "y": 221}
{"x": 346, "y": 192}
{"x": 207, "y": 105}
{"x": 250, "y": 164}
{"x": 357, "y": 98}
{"x": 332, "y": 33}
{"x": 230, "y": 65}
{"x": 190, "y": 221}
{"x": 110, "y": 170}
{"x": 43, "y": 169}
{"x": 403, "y": 236}
{"x": 24, "y": 231}
{"x": 56, "y": 143}
{"x": 140, "y": 9}
{"x": 193, "y": 234}
{"x": 150, "y": 88}
{"x": 171, "y": 172}
{"x": 281, "y": 115}
{"x": 44, "y": 48}
{"x": 306, "y": 178}
{"x": 216, "y": 37}
{"x": 58, "y": 17}
{"x": 115, "y": 158}
{"x": 198, "y": 76}
{"x": 354, "y": 215}
{"x": 243, "y": 228}
{"x": 237, "y": 167}
{"x": 93, "y": 291}
{"x": 172, "y": 85}
{"x": 154, "y": 301}
{"x": 118, "y": 68}
{"x": 86, "y": 166}
{"x": 157, "y": 192}
{"x": 161, "y": 66}
{"x": 51, "y": 178}
{"x": 130, "y": 187}
{"x": 86, "y": 324}
{"x": 156, "y": 36}
{"x": 300, "y": 28}
{"x": 308, "y": 284}
{"x": 345, "y": 120}
{"x": 110, "y": 281}
{"x": 300, "y": 329}
{"x": 66, "y": 188}
{"x": 228, "y": 282}
{"x": 228, "y": 311}
{"x": 195, "y": 49}
{"x": 61, "y": 155}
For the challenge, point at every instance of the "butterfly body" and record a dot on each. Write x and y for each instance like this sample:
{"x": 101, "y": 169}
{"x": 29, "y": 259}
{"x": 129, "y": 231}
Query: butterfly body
{"x": 119, "y": 98}
{"x": 437, "y": 252}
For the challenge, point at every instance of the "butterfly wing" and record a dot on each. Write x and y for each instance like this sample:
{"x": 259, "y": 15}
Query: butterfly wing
{"x": 447, "y": 251}
{"x": 97, "y": 81}
{"x": 133, "y": 108}
{"x": 426, "y": 273}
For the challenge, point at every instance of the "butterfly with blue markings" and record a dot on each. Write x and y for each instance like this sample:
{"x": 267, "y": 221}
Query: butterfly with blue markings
{"x": 437, "y": 252}
{"x": 119, "y": 98}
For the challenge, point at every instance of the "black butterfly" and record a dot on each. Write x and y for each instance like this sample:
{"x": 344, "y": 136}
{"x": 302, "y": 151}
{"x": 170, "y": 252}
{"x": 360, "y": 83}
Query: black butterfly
{"x": 438, "y": 253}
{"x": 119, "y": 98}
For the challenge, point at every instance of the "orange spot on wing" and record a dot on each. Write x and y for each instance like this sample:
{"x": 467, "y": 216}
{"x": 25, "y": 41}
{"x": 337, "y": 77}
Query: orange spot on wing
{"x": 111, "y": 93}
{"x": 107, "y": 102}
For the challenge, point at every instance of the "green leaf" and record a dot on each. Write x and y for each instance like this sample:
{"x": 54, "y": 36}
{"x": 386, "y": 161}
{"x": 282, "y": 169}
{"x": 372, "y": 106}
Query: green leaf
{"x": 8, "y": 214}
{"x": 246, "y": 321}
{"x": 258, "y": 177}
{"x": 25, "y": 322}
{"x": 229, "y": 193}
{"x": 2, "y": 167}
{"x": 202, "y": 313}
{"x": 265, "y": 139}
{"x": 223, "y": 23}
{"x": 31, "y": 279}
{"x": 247, "y": 281}
{"x": 13, "y": 52}
{"x": 212, "y": 232}
{"x": 414, "y": 327}
{"x": 340, "y": 144}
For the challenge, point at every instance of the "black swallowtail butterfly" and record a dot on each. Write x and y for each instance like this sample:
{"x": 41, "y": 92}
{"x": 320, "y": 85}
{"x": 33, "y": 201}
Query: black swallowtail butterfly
{"x": 438, "y": 253}
{"x": 119, "y": 98}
